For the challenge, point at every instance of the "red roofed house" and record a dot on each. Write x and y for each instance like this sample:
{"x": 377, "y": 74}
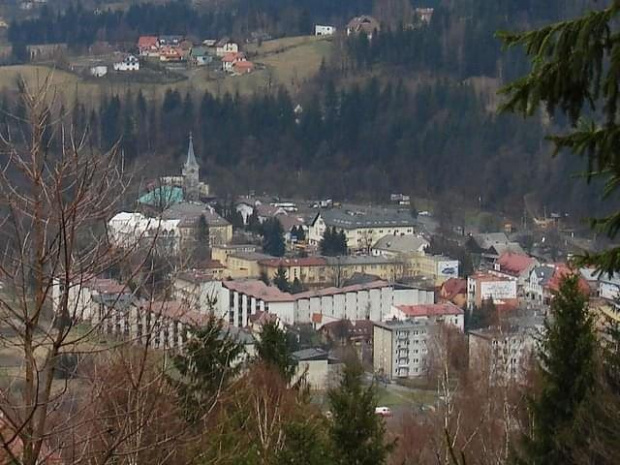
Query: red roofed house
{"x": 243, "y": 67}
{"x": 230, "y": 59}
{"x": 148, "y": 46}
{"x": 432, "y": 313}
{"x": 515, "y": 265}
{"x": 545, "y": 280}
{"x": 454, "y": 290}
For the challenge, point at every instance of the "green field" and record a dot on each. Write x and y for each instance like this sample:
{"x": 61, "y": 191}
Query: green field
{"x": 289, "y": 62}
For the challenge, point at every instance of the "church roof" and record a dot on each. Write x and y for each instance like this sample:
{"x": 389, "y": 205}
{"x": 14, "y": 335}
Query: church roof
{"x": 191, "y": 157}
{"x": 162, "y": 196}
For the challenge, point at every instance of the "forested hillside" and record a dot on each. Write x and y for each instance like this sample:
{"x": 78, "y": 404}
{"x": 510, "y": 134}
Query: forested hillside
{"x": 411, "y": 110}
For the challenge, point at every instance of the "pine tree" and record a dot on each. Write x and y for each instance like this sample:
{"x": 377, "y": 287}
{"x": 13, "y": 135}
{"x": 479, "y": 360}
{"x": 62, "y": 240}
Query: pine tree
{"x": 209, "y": 361}
{"x": 574, "y": 70}
{"x": 296, "y": 287}
{"x": 357, "y": 433}
{"x": 272, "y": 349}
{"x": 280, "y": 279}
{"x": 273, "y": 238}
{"x": 567, "y": 369}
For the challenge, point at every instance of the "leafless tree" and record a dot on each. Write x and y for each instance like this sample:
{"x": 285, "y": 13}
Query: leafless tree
{"x": 56, "y": 195}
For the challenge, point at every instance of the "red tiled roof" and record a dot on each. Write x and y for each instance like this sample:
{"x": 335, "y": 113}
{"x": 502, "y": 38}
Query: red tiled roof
{"x": 562, "y": 271}
{"x": 489, "y": 277}
{"x": 147, "y": 41}
{"x": 286, "y": 262}
{"x": 243, "y": 64}
{"x": 259, "y": 290}
{"x": 453, "y": 287}
{"x": 232, "y": 57}
{"x": 514, "y": 263}
{"x": 430, "y": 309}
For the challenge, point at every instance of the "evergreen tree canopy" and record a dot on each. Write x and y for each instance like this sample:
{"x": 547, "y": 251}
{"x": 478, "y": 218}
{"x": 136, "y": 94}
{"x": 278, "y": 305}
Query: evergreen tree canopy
{"x": 333, "y": 243}
{"x": 357, "y": 432}
{"x": 280, "y": 279}
{"x": 273, "y": 238}
{"x": 272, "y": 349}
{"x": 576, "y": 72}
{"x": 208, "y": 362}
{"x": 567, "y": 366}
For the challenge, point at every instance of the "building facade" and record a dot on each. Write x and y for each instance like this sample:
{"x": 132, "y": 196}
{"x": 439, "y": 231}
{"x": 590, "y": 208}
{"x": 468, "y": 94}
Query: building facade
{"x": 401, "y": 348}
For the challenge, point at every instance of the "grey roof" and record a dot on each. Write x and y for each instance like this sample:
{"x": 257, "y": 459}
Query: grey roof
{"x": 513, "y": 247}
{"x": 544, "y": 272}
{"x": 191, "y": 157}
{"x": 358, "y": 260}
{"x": 400, "y": 244}
{"x": 345, "y": 219}
{"x": 361, "y": 278}
{"x": 491, "y": 239}
{"x": 310, "y": 354}
{"x": 190, "y": 212}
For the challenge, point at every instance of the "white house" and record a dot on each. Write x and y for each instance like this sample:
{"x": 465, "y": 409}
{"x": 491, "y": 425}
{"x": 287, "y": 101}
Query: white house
{"x": 225, "y": 46}
{"x": 229, "y": 60}
{"x": 320, "y": 30}
{"x": 126, "y": 230}
{"x": 98, "y": 70}
{"x": 129, "y": 63}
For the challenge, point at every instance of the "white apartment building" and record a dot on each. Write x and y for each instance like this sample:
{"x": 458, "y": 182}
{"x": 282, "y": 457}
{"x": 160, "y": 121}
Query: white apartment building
{"x": 128, "y": 230}
{"x": 400, "y": 348}
{"x": 504, "y": 352}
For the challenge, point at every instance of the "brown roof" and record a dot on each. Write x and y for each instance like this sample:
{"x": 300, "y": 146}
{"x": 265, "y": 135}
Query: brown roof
{"x": 288, "y": 222}
{"x": 259, "y": 290}
{"x": 514, "y": 263}
{"x": 147, "y": 41}
{"x": 453, "y": 287}
{"x": 365, "y": 23}
{"x": 430, "y": 309}
{"x": 287, "y": 262}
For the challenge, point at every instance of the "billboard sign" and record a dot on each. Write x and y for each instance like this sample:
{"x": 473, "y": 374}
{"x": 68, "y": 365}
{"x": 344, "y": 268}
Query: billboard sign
{"x": 448, "y": 268}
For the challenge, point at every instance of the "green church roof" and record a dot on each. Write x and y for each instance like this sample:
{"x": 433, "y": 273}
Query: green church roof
{"x": 163, "y": 196}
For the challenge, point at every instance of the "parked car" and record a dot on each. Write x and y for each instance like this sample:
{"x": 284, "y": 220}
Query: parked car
{"x": 383, "y": 411}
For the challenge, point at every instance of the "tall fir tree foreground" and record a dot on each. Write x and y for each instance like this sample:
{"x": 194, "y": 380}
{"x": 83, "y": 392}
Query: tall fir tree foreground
{"x": 209, "y": 361}
{"x": 272, "y": 349}
{"x": 576, "y": 72}
{"x": 567, "y": 366}
{"x": 357, "y": 433}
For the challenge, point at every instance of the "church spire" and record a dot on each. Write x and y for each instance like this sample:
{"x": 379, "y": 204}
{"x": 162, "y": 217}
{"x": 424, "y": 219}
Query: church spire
{"x": 191, "y": 158}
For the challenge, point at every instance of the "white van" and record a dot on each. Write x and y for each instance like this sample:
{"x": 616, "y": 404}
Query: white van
{"x": 383, "y": 411}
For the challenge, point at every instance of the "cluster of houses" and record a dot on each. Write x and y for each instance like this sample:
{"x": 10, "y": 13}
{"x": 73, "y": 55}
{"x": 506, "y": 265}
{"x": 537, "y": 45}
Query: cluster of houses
{"x": 174, "y": 49}
{"x": 397, "y": 295}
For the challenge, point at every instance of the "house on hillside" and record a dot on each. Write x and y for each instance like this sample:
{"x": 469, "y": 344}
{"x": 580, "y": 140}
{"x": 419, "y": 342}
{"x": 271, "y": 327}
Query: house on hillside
{"x": 148, "y": 46}
{"x": 544, "y": 281}
{"x": 242, "y": 67}
{"x": 224, "y": 46}
{"x": 229, "y": 60}
{"x": 129, "y": 63}
{"x": 199, "y": 56}
{"x": 364, "y": 24}
{"x": 320, "y": 30}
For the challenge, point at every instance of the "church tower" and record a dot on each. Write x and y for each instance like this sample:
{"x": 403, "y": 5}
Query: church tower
{"x": 191, "y": 182}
